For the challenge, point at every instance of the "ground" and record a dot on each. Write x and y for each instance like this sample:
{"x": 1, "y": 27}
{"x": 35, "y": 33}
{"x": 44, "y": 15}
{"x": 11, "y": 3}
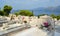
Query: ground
{"x": 34, "y": 31}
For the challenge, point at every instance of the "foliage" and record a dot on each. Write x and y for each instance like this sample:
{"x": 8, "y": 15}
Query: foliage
{"x": 16, "y": 13}
{"x": 1, "y": 13}
{"x": 58, "y": 17}
{"x": 7, "y": 9}
{"x": 54, "y": 16}
{"x": 26, "y": 13}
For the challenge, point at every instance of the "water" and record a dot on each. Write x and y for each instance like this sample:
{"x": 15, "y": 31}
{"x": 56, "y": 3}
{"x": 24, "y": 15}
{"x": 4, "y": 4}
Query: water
{"x": 38, "y": 12}
{"x": 43, "y": 12}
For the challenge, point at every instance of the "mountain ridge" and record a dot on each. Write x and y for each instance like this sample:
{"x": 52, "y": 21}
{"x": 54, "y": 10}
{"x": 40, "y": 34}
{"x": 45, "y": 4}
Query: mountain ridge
{"x": 49, "y": 9}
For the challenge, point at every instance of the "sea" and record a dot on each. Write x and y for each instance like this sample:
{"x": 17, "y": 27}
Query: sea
{"x": 38, "y": 12}
{"x": 44, "y": 12}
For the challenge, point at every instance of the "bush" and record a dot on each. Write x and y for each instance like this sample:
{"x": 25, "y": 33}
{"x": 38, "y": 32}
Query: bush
{"x": 26, "y": 13}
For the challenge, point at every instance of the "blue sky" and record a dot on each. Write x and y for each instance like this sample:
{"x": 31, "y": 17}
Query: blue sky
{"x": 29, "y": 4}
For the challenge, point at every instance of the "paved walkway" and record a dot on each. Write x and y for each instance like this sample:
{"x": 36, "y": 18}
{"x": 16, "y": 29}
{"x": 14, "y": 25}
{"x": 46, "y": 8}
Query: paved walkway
{"x": 34, "y": 31}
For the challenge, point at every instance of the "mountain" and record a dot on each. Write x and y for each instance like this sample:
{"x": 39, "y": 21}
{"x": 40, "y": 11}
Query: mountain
{"x": 44, "y": 10}
{"x": 57, "y": 9}
{"x": 13, "y": 11}
{"x": 48, "y": 9}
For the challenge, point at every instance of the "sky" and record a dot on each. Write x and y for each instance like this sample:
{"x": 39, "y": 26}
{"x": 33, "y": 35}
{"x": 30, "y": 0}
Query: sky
{"x": 29, "y": 4}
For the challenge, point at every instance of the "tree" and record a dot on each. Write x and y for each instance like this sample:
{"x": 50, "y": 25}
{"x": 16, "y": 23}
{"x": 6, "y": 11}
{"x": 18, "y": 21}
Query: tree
{"x": 53, "y": 16}
{"x": 58, "y": 17}
{"x": 7, "y": 9}
{"x": 1, "y": 13}
{"x": 26, "y": 13}
{"x": 16, "y": 13}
